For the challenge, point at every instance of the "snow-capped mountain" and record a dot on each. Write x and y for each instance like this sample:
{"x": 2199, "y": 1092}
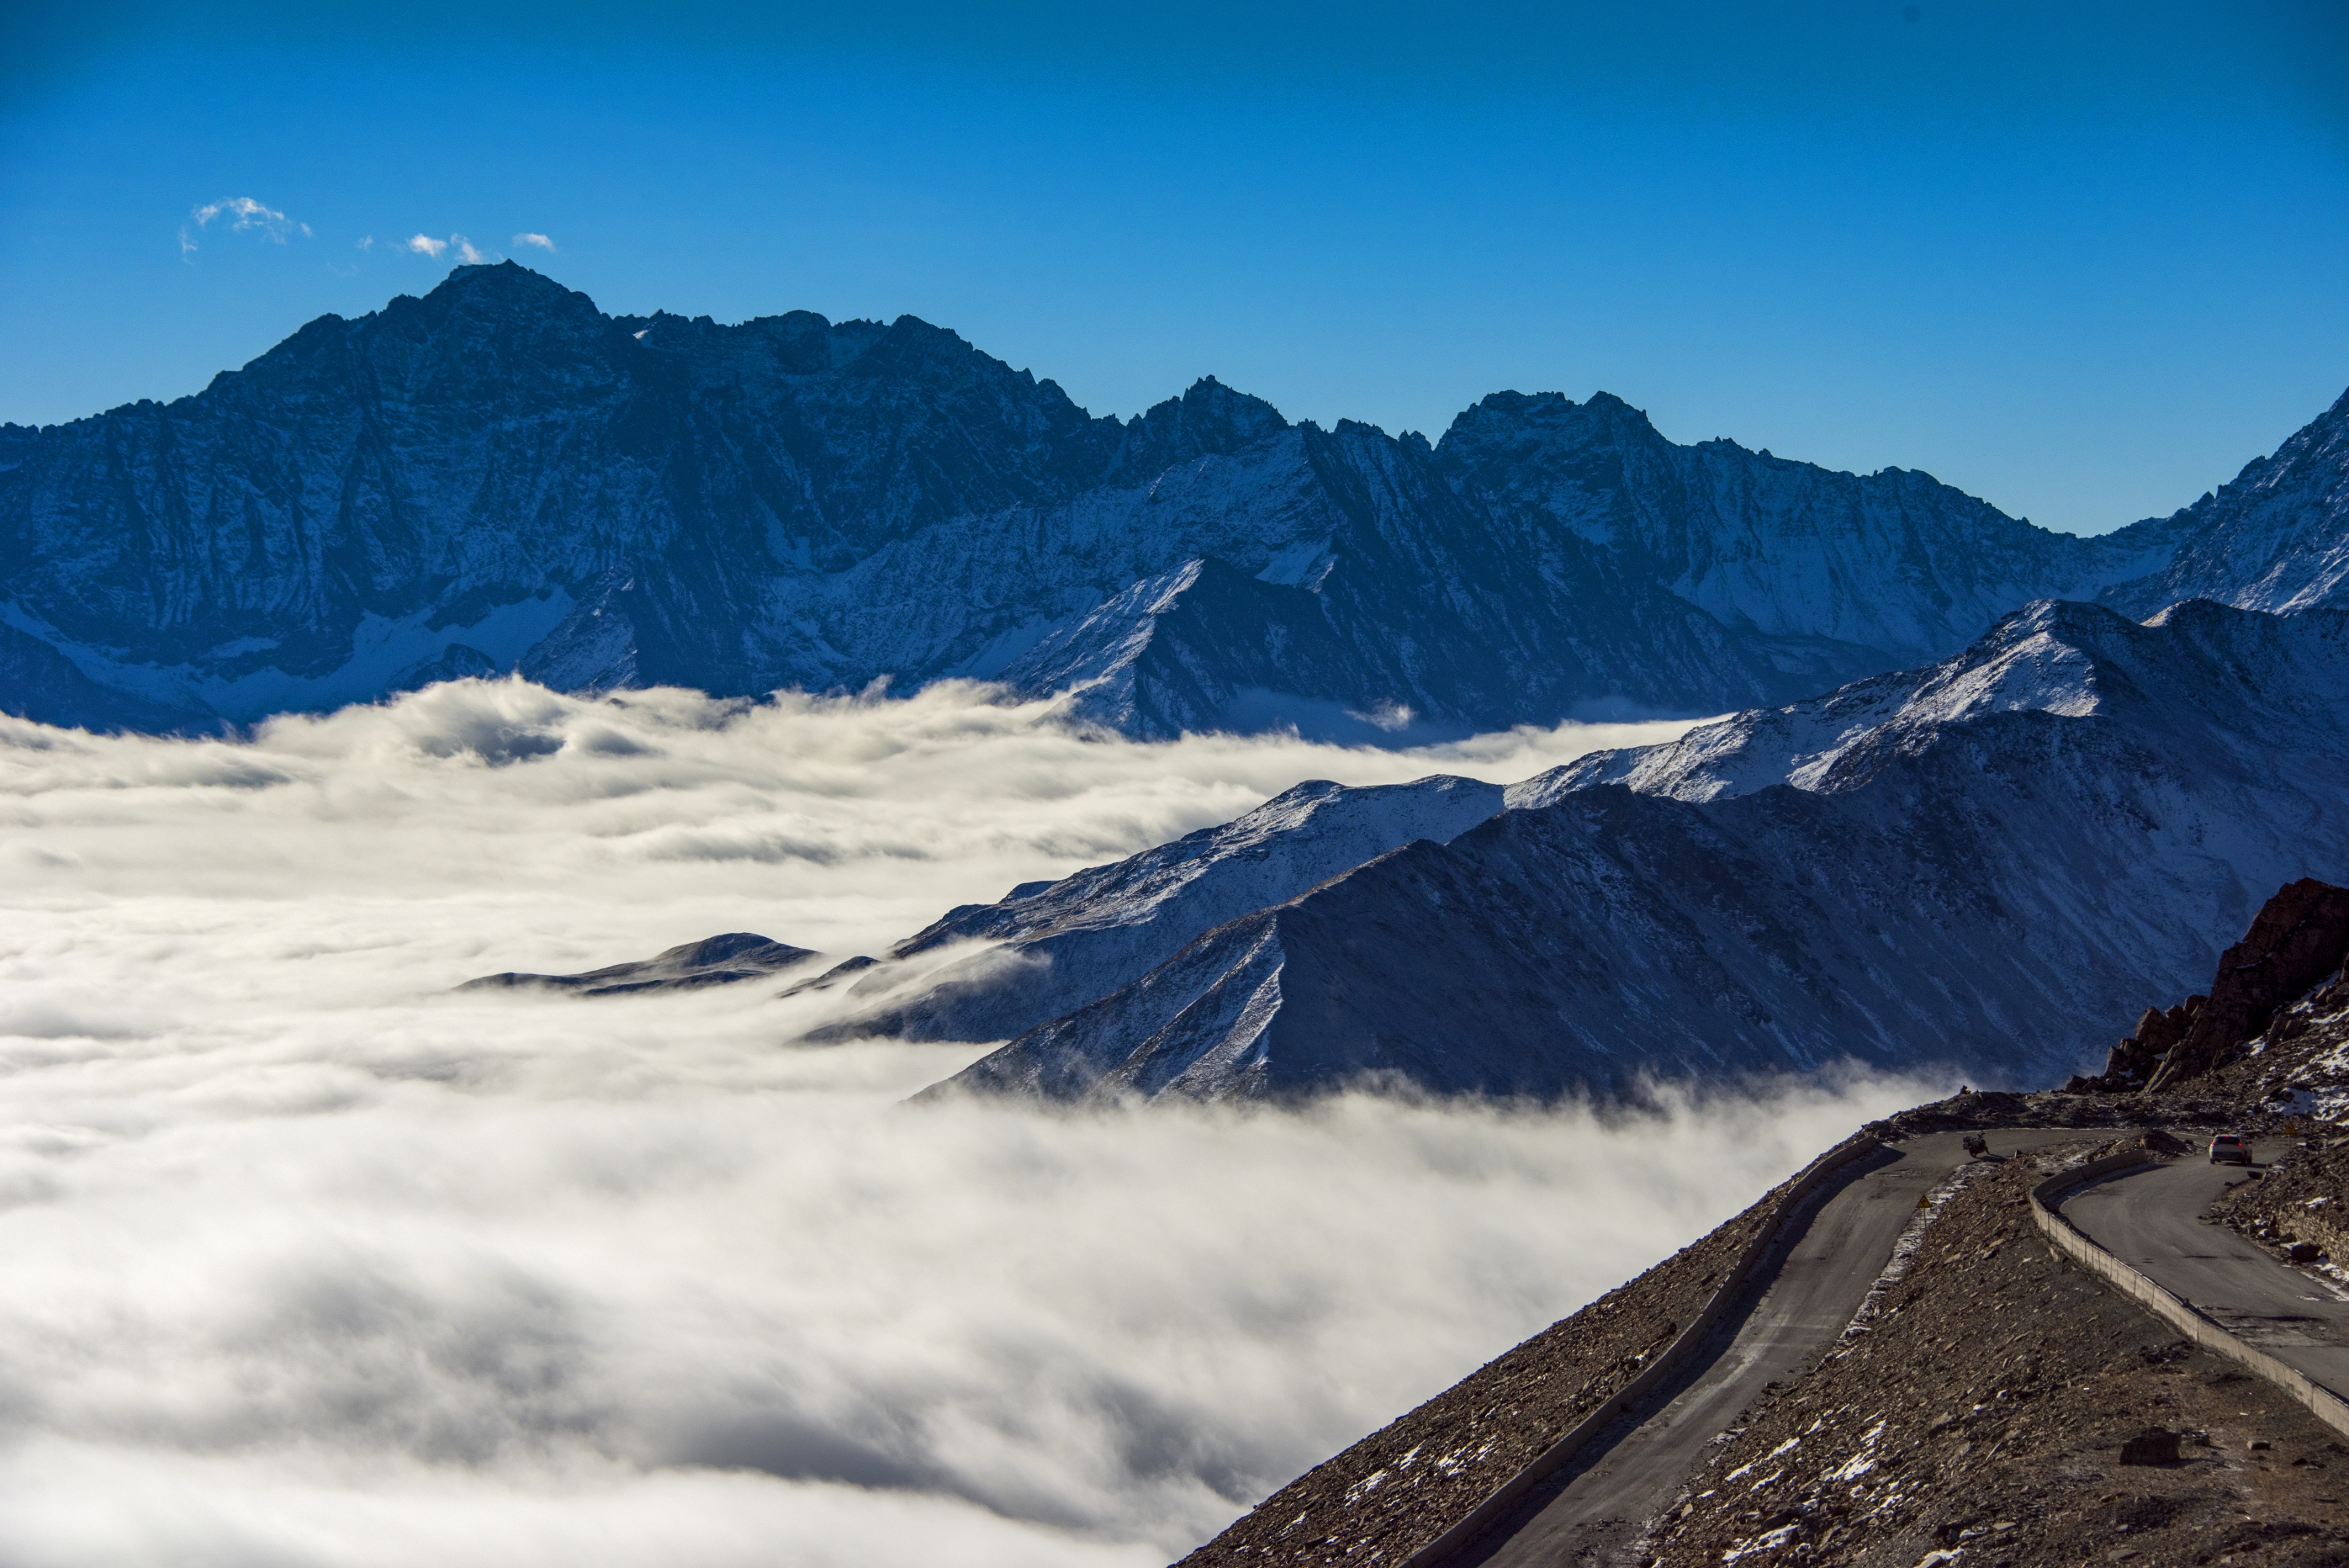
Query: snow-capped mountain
{"x": 1986, "y": 863}
{"x": 2208, "y": 685}
{"x": 1050, "y": 946}
{"x": 498, "y": 476}
{"x": 2277, "y": 539}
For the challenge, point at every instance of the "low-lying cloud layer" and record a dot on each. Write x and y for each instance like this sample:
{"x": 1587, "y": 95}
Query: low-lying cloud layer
{"x": 311, "y": 1261}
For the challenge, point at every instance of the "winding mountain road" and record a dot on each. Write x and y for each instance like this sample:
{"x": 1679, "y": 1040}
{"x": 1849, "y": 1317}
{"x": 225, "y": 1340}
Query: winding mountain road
{"x": 1809, "y": 1288}
{"x": 2149, "y": 1218}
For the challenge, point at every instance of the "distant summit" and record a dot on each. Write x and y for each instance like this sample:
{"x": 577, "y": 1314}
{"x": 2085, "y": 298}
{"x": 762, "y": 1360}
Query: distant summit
{"x": 500, "y": 476}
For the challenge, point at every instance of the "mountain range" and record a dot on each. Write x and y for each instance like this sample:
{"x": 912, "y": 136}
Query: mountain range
{"x": 500, "y": 476}
{"x": 1982, "y": 864}
{"x": 1978, "y": 848}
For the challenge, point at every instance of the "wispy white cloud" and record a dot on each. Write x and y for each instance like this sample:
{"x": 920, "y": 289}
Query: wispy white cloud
{"x": 368, "y": 243}
{"x": 245, "y": 215}
{"x": 540, "y": 241}
{"x": 467, "y": 253}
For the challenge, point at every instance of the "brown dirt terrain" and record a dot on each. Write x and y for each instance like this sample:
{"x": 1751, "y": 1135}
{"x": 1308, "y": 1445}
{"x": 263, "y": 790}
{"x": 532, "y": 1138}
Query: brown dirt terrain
{"x": 1983, "y": 1409}
{"x": 1405, "y": 1484}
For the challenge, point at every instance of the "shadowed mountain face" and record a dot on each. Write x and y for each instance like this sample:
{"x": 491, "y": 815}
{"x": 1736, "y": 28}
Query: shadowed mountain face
{"x": 500, "y": 476}
{"x": 1986, "y": 863}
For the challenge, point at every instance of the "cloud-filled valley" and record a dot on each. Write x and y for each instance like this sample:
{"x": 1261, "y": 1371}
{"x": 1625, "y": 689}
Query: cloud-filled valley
{"x": 312, "y": 1261}
{"x": 968, "y": 822}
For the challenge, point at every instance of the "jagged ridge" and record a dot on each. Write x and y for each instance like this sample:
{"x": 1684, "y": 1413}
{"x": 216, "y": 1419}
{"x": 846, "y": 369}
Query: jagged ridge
{"x": 500, "y": 475}
{"x": 1987, "y": 864}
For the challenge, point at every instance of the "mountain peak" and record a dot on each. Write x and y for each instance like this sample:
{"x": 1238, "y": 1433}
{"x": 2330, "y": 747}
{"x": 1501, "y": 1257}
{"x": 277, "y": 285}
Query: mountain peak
{"x": 1245, "y": 417}
{"x": 1549, "y": 417}
{"x": 505, "y": 277}
{"x": 1209, "y": 419}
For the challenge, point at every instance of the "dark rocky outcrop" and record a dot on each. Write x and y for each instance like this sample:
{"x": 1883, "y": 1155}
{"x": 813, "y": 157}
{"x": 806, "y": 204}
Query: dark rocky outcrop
{"x": 2298, "y": 939}
{"x": 713, "y": 961}
{"x": 2140, "y": 1054}
{"x": 2300, "y": 936}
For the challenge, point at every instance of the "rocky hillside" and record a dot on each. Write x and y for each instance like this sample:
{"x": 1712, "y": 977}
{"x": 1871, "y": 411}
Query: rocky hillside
{"x": 1989, "y": 863}
{"x": 2298, "y": 944}
{"x": 499, "y": 474}
{"x": 1973, "y": 1411}
{"x": 2271, "y": 1029}
{"x": 1980, "y": 1417}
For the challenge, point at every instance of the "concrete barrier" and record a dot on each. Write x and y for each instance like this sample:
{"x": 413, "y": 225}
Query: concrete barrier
{"x": 1672, "y": 1357}
{"x": 2046, "y": 1211}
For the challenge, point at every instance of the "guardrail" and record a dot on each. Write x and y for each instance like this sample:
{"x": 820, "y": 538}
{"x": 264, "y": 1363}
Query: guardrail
{"x": 2046, "y": 1211}
{"x": 1674, "y": 1356}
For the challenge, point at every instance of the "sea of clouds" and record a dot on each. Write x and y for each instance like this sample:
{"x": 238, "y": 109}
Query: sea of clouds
{"x": 309, "y": 1261}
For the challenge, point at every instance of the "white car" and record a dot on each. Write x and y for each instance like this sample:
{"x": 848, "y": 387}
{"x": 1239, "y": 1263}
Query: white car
{"x": 2229, "y": 1150}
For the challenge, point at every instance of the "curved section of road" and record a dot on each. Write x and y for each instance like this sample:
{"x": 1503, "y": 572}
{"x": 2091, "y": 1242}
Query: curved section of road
{"x": 1804, "y": 1295}
{"x": 2151, "y": 1219}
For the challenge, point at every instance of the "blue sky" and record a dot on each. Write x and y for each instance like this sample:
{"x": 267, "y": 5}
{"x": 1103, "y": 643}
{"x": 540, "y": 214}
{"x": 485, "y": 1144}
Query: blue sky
{"x": 2083, "y": 260}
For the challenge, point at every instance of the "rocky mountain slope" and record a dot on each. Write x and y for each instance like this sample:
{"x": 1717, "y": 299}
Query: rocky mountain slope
{"x": 498, "y": 476}
{"x": 1050, "y": 946}
{"x": 2299, "y": 941}
{"x": 2277, "y": 539}
{"x": 2269, "y": 1030}
{"x": 1988, "y": 863}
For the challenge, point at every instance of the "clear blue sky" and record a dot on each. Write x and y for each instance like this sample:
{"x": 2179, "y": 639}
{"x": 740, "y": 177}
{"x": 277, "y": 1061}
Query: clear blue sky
{"x": 2084, "y": 260}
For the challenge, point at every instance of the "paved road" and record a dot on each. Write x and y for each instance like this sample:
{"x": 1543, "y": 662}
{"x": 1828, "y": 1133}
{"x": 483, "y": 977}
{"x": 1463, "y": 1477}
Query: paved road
{"x": 1830, "y": 1255}
{"x": 2149, "y": 1218}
